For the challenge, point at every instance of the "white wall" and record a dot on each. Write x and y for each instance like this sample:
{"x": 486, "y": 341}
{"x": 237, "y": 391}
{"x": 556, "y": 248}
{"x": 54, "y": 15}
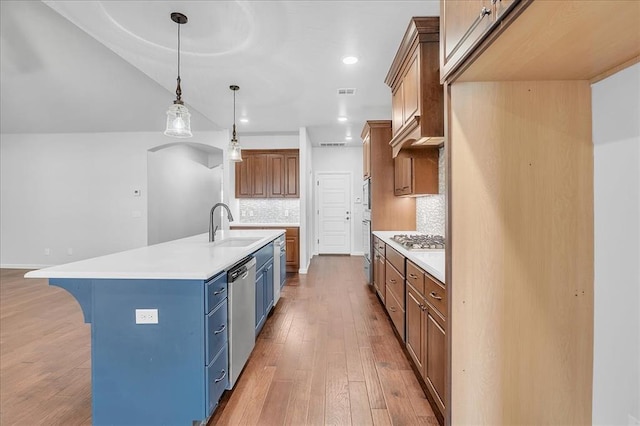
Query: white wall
{"x": 182, "y": 186}
{"x": 307, "y": 223}
{"x": 75, "y": 191}
{"x": 343, "y": 160}
{"x": 616, "y": 136}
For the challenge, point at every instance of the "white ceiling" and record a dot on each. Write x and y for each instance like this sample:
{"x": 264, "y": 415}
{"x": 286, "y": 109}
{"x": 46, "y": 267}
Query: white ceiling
{"x": 111, "y": 65}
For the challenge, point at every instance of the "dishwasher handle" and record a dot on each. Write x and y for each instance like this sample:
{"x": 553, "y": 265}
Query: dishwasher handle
{"x": 241, "y": 270}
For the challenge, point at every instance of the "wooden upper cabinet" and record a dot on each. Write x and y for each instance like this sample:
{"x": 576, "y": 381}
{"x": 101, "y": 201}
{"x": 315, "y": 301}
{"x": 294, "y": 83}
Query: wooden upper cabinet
{"x": 417, "y": 96}
{"x": 267, "y": 174}
{"x": 275, "y": 173}
{"x": 366, "y": 157}
{"x": 416, "y": 172}
{"x": 463, "y": 25}
{"x": 291, "y": 175}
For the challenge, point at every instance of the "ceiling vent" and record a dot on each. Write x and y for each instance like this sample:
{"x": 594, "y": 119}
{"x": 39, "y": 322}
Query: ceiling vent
{"x": 348, "y": 91}
{"x": 332, "y": 144}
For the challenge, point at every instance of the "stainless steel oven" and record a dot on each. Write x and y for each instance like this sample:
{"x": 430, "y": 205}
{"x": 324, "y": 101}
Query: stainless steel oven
{"x": 366, "y": 195}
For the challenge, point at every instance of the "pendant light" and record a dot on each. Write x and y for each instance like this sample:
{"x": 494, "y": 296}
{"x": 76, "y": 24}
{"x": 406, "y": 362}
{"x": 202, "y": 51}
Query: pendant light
{"x": 235, "y": 152}
{"x": 178, "y": 117}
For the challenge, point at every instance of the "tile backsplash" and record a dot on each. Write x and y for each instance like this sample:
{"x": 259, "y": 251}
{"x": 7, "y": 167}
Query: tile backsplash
{"x": 272, "y": 210}
{"x": 430, "y": 209}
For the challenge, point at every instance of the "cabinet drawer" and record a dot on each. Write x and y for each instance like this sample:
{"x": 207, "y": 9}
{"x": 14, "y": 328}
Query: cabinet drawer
{"x": 215, "y": 291}
{"x": 415, "y": 277}
{"x": 216, "y": 330}
{"x": 217, "y": 379}
{"x": 394, "y": 283}
{"x": 263, "y": 255}
{"x": 396, "y": 312}
{"x": 379, "y": 245}
{"x": 396, "y": 259}
{"x": 436, "y": 295}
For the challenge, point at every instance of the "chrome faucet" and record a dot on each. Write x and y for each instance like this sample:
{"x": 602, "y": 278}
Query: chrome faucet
{"x": 212, "y": 230}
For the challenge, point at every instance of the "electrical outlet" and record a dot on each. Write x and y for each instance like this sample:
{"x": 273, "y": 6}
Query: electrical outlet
{"x": 137, "y": 192}
{"x": 47, "y": 251}
{"x": 243, "y": 213}
{"x": 146, "y": 316}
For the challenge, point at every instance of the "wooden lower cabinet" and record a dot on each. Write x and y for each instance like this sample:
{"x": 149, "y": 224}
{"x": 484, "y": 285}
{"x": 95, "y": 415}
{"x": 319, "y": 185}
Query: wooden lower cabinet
{"x": 434, "y": 367}
{"x": 292, "y": 241}
{"x": 415, "y": 323}
{"x": 379, "y": 274}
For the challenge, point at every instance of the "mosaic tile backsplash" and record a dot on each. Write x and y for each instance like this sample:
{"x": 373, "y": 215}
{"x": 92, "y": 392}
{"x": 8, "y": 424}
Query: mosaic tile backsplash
{"x": 430, "y": 209}
{"x": 280, "y": 210}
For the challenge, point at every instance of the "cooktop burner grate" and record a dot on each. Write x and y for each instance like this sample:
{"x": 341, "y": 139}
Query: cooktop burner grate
{"x": 420, "y": 242}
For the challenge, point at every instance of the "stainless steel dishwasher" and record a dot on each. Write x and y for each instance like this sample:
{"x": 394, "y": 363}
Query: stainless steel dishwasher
{"x": 242, "y": 315}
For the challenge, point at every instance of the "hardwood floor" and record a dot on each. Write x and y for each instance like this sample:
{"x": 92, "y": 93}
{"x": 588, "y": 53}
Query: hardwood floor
{"x": 326, "y": 356}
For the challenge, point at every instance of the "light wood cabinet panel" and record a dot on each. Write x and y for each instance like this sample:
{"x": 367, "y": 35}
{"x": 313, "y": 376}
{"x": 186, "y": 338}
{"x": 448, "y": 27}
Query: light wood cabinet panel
{"x": 379, "y": 274}
{"x": 415, "y": 277}
{"x": 410, "y": 91}
{"x": 436, "y": 295}
{"x": 243, "y": 178}
{"x": 394, "y": 283}
{"x": 397, "y": 107}
{"x": 396, "y": 312}
{"x": 396, "y": 259}
{"x": 366, "y": 157}
{"x": 259, "y": 176}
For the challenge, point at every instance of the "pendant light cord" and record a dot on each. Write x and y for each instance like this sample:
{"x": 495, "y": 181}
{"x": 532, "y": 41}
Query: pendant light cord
{"x": 234, "y": 116}
{"x": 178, "y": 88}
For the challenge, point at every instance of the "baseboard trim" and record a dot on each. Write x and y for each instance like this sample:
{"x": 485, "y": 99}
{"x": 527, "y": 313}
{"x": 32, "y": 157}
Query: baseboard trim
{"x": 22, "y": 266}
{"x": 357, "y": 253}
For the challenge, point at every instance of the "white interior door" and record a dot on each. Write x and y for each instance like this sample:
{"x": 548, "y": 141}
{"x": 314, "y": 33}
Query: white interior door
{"x": 334, "y": 213}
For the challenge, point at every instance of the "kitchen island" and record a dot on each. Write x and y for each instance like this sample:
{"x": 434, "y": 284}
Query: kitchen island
{"x": 159, "y": 328}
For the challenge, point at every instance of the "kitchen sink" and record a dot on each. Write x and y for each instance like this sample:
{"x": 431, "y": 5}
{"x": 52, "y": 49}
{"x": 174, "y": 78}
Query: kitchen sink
{"x": 236, "y": 242}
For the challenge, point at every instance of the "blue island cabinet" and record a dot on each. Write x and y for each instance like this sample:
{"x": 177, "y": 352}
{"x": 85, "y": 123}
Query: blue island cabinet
{"x": 264, "y": 284}
{"x": 172, "y": 372}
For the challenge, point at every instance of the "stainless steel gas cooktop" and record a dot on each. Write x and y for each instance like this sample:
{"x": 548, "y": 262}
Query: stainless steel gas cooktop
{"x": 420, "y": 242}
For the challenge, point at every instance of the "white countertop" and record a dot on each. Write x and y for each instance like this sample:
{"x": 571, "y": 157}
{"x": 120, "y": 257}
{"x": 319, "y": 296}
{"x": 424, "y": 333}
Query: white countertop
{"x": 191, "y": 258}
{"x": 431, "y": 261}
{"x": 271, "y": 225}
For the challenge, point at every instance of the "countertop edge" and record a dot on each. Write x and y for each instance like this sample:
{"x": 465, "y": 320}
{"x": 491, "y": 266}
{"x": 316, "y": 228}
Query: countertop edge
{"x": 65, "y": 271}
{"x": 431, "y": 269}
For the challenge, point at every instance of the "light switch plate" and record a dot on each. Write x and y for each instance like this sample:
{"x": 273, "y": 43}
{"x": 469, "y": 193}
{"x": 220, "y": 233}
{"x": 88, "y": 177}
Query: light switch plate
{"x": 146, "y": 316}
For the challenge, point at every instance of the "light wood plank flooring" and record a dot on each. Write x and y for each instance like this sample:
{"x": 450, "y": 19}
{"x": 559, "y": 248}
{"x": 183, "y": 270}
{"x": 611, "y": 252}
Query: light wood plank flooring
{"x": 327, "y": 355}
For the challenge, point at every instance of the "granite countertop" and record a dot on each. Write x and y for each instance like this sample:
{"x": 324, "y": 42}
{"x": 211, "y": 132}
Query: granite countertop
{"x": 432, "y": 261}
{"x": 191, "y": 258}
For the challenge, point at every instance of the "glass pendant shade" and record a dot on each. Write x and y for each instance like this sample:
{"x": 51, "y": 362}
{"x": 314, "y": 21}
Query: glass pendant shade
{"x": 235, "y": 151}
{"x": 178, "y": 122}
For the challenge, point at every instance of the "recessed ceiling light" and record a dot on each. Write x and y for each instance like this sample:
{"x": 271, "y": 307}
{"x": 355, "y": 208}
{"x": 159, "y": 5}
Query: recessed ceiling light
{"x": 348, "y": 138}
{"x": 342, "y": 119}
{"x": 349, "y": 60}
{"x": 244, "y": 120}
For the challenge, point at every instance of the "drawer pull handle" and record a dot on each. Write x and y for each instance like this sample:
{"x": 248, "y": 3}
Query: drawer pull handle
{"x": 222, "y": 290}
{"x": 392, "y": 309}
{"x": 221, "y": 329}
{"x": 422, "y": 307}
{"x": 435, "y": 295}
{"x": 415, "y": 277}
{"x": 224, "y": 374}
{"x": 392, "y": 281}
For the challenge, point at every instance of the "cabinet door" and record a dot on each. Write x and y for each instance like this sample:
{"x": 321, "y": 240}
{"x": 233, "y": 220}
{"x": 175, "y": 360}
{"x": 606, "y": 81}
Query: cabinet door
{"x": 410, "y": 88}
{"x": 275, "y": 175}
{"x": 403, "y": 172}
{"x": 415, "y": 327}
{"x": 464, "y": 24}
{"x": 366, "y": 157}
{"x": 379, "y": 275}
{"x": 291, "y": 176}
{"x": 397, "y": 115}
{"x": 258, "y": 175}
{"x": 436, "y": 350}
{"x": 292, "y": 252}
{"x": 260, "y": 295}
{"x": 268, "y": 300}
{"x": 243, "y": 178}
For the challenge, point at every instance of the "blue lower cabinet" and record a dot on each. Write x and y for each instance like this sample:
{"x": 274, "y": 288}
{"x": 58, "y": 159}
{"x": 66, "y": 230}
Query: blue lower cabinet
{"x": 283, "y": 269}
{"x": 268, "y": 301}
{"x": 260, "y": 308}
{"x": 217, "y": 379}
{"x": 172, "y": 372}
